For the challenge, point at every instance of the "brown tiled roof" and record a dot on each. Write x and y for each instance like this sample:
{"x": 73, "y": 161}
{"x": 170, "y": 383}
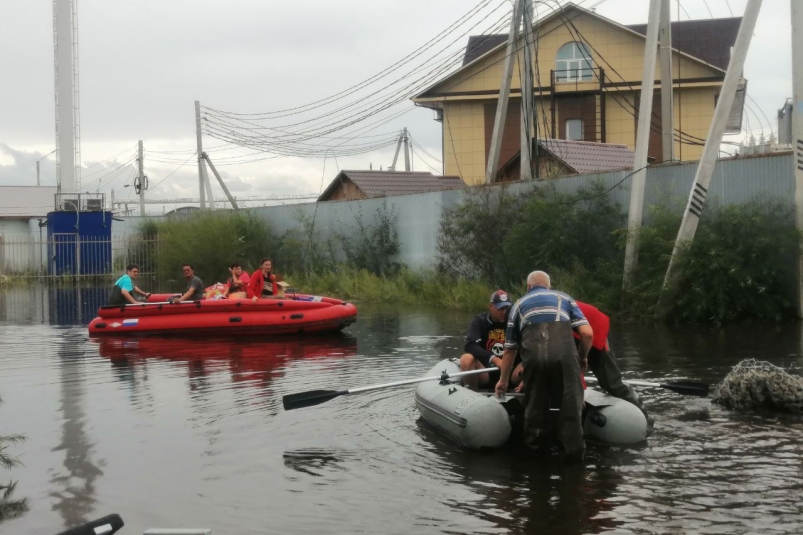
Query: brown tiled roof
{"x": 587, "y": 156}
{"x": 707, "y": 39}
{"x": 388, "y": 183}
{"x": 480, "y": 44}
{"x": 26, "y": 201}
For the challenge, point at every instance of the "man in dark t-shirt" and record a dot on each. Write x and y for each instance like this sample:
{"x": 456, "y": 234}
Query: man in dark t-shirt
{"x": 195, "y": 287}
{"x": 485, "y": 342}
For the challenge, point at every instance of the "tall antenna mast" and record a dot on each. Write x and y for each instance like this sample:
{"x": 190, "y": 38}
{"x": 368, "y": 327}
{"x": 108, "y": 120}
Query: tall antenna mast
{"x": 68, "y": 131}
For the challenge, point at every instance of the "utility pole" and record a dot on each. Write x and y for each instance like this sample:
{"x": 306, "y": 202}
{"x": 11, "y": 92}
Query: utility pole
{"x": 396, "y": 156}
{"x": 667, "y": 88}
{"x": 504, "y": 94}
{"x": 526, "y": 172}
{"x": 220, "y": 180}
{"x": 141, "y": 178}
{"x": 406, "y": 150}
{"x": 38, "y": 183}
{"x": 200, "y": 149}
{"x": 705, "y": 169}
{"x": 638, "y": 183}
{"x": 797, "y": 131}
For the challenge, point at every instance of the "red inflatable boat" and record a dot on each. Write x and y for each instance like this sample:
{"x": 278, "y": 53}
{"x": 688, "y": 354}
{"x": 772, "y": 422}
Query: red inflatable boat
{"x": 294, "y": 314}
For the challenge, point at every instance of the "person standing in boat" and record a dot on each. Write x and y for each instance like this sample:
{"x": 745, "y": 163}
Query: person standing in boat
{"x": 124, "y": 289}
{"x": 195, "y": 286}
{"x": 602, "y": 362}
{"x": 263, "y": 282}
{"x": 237, "y": 283}
{"x": 485, "y": 342}
{"x": 540, "y": 326}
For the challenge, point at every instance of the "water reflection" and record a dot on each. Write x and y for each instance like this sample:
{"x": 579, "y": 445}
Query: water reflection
{"x": 59, "y": 305}
{"x": 522, "y": 493}
{"x": 251, "y": 363}
{"x": 74, "y": 487}
{"x": 204, "y": 418}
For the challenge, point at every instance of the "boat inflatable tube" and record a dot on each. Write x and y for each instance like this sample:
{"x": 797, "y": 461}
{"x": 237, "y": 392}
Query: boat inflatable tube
{"x": 296, "y": 314}
{"x": 478, "y": 420}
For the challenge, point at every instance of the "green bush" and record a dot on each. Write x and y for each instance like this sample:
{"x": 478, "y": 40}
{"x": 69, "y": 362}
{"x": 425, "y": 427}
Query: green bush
{"x": 211, "y": 241}
{"x": 374, "y": 246}
{"x": 742, "y": 263}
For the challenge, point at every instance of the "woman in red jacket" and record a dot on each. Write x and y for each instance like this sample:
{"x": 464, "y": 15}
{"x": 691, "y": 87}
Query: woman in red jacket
{"x": 263, "y": 282}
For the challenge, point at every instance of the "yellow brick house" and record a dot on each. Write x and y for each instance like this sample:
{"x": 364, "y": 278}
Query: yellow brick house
{"x": 587, "y": 82}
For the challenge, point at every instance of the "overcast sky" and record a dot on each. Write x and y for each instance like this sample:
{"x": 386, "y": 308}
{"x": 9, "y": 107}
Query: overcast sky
{"x": 144, "y": 63}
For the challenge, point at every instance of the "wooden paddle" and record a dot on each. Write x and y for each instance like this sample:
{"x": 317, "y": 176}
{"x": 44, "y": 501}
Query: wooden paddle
{"x": 316, "y": 397}
{"x": 687, "y": 388}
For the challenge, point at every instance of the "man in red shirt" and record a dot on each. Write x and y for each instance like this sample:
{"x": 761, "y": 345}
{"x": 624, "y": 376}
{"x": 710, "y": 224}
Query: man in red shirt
{"x": 602, "y": 362}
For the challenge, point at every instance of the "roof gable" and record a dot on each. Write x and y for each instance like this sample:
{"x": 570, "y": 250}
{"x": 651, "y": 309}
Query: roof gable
{"x": 481, "y": 48}
{"x": 710, "y": 40}
{"x": 389, "y": 183}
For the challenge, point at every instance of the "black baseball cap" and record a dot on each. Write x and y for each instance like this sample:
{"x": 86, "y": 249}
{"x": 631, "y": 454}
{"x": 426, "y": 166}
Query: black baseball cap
{"x": 500, "y": 299}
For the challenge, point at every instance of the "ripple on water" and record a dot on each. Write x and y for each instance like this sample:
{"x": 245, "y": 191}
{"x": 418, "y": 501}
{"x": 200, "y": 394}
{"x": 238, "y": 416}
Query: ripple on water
{"x": 185, "y": 432}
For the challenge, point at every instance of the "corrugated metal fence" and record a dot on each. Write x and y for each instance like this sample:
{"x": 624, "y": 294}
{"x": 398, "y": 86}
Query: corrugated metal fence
{"x": 418, "y": 216}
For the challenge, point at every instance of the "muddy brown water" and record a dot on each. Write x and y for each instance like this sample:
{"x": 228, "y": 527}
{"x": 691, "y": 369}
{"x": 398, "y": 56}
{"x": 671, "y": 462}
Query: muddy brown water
{"x": 191, "y": 433}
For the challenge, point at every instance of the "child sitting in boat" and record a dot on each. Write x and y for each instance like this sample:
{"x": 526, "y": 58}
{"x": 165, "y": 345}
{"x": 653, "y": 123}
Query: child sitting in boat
{"x": 237, "y": 285}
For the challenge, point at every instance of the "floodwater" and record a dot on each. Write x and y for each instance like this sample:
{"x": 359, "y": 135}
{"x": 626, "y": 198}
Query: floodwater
{"x": 191, "y": 433}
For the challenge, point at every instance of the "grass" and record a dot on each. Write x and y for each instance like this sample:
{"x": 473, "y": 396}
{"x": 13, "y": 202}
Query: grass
{"x": 405, "y": 288}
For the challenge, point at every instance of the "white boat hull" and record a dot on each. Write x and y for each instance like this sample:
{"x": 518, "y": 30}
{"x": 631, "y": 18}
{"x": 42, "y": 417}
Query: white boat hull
{"x": 477, "y": 420}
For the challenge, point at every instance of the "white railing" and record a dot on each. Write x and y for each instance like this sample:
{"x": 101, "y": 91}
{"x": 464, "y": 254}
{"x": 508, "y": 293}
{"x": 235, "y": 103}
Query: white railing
{"x": 70, "y": 255}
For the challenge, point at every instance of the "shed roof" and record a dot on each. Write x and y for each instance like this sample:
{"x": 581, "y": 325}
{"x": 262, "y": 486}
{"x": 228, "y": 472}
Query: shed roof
{"x": 388, "y": 183}
{"x": 589, "y": 156}
{"x": 26, "y": 201}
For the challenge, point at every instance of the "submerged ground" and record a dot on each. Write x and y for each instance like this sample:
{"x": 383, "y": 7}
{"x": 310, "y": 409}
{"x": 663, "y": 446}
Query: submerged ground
{"x": 191, "y": 433}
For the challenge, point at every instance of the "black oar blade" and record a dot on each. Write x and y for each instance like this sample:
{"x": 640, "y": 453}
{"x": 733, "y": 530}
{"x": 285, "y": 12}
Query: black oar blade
{"x": 310, "y": 398}
{"x": 689, "y": 388}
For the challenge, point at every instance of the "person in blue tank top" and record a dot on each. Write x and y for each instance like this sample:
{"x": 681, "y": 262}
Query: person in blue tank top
{"x": 124, "y": 289}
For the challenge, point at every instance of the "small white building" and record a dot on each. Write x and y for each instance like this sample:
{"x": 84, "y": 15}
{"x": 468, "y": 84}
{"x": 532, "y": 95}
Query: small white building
{"x": 23, "y": 213}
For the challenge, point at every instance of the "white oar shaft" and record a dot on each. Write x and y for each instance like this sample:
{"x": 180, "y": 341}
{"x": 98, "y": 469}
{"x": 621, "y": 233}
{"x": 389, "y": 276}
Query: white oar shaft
{"x": 421, "y": 380}
{"x": 636, "y": 383}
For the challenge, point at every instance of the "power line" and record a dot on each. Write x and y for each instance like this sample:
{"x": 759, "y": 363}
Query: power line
{"x": 192, "y": 156}
{"x": 383, "y": 73}
{"x": 708, "y": 8}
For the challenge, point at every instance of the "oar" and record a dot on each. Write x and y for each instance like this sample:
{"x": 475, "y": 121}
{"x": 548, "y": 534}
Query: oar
{"x": 316, "y": 397}
{"x": 688, "y": 388}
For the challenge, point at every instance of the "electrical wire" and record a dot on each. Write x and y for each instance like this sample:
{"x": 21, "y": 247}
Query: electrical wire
{"x": 705, "y": 3}
{"x": 192, "y": 156}
{"x": 227, "y": 127}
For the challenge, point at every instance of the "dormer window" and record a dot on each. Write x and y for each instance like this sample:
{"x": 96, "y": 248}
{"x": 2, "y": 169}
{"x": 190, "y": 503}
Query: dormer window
{"x": 573, "y": 63}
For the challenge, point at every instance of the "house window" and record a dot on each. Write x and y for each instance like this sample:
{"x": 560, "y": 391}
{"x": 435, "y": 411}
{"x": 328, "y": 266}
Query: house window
{"x": 574, "y": 129}
{"x": 573, "y": 63}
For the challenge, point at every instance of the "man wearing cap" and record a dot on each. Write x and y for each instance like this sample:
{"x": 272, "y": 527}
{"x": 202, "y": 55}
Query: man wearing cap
{"x": 485, "y": 342}
{"x": 540, "y": 327}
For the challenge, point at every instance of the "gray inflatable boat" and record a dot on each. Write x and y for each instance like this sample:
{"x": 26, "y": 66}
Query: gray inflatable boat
{"x": 478, "y": 420}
